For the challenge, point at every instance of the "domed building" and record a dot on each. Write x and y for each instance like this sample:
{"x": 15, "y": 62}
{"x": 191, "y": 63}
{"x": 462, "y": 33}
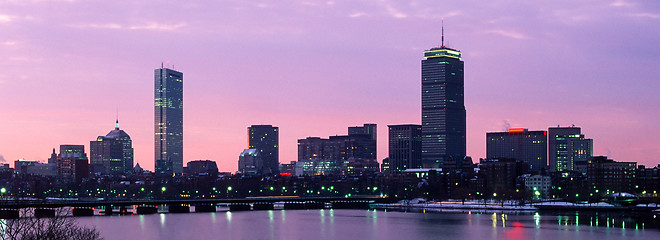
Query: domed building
{"x": 112, "y": 153}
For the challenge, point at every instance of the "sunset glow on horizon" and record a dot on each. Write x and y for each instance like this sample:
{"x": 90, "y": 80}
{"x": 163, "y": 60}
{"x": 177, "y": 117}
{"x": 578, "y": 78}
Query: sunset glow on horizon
{"x": 313, "y": 68}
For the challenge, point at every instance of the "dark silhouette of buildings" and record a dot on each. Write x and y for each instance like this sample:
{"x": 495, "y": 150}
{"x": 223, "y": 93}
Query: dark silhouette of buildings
{"x": 607, "y": 175}
{"x": 443, "y": 109}
{"x": 112, "y": 153}
{"x": 168, "y": 118}
{"x": 500, "y": 175}
{"x": 520, "y": 144}
{"x": 405, "y": 147}
{"x": 568, "y": 149}
{"x": 265, "y": 139}
{"x": 202, "y": 168}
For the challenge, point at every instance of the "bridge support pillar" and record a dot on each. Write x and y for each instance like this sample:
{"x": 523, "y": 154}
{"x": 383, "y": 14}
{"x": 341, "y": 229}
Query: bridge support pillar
{"x": 108, "y": 210}
{"x": 147, "y": 210}
{"x": 178, "y": 208}
{"x": 263, "y": 206}
{"x": 239, "y": 207}
{"x": 205, "y": 208}
{"x": 82, "y": 211}
{"x": 9, "y": 214}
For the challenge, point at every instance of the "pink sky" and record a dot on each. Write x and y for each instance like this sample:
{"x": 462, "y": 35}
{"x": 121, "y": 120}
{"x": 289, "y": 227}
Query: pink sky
{"x": 313, "y": 68}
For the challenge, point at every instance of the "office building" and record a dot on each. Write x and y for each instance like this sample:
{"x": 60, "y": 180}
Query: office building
{"x": 112, "y": 153}
{"x": 519, "y": 144}
{"x": 168, "y": 124}
{"x": 568, "y": 149}
{"x": 72, "y": 162}
{"x": 360, "y": 143}
{"x": 607, "y": 176}
{"x": 36, "y": 168}
{"x": 368, "y": 128}
{"x": 539, "y": 186}
{"x": 443, "y": 108}
{"x": 501, "y": 174}
{"x": 405, "y": 147}
{"x": 265, "y": 139}
{"x": 250, "y": 162}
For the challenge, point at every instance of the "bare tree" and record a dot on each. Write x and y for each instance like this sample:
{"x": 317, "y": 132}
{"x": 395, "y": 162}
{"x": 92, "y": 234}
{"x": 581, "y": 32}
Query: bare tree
{"x": 61, "y": 226}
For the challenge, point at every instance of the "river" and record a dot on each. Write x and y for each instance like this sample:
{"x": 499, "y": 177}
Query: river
{"x": 371, "y": 224}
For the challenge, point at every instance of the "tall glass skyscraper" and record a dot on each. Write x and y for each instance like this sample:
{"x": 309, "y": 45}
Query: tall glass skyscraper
{"x": 443, "y": 109}
{"x": 168, "y": 121}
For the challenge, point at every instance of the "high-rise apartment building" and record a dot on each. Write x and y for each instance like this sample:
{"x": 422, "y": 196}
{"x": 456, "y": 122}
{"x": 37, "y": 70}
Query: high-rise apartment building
{"x": 519, "y": 144}
{"x": 265, "y": 139}
{"x": 168, "y": 122}
{"x": 443, "y": 109}
{"x": 112, "y": 153}
{"x": 568, "y": 149}
{"x": 405, "y": 147}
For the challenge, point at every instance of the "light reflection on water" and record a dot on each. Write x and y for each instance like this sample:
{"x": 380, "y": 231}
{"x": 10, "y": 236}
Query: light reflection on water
{"x": 371, "y": 224}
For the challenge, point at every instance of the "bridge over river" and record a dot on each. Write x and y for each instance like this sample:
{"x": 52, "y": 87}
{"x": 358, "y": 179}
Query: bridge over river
{"x": 45, "y": 208}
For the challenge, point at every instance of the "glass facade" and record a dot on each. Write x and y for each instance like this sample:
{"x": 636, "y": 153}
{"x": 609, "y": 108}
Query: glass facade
{"x": 168, "y": 122}
{"x": 443, "y": 108}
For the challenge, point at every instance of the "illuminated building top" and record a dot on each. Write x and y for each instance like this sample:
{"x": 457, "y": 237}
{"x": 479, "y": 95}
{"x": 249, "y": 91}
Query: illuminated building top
{"x": 442, "y": 52}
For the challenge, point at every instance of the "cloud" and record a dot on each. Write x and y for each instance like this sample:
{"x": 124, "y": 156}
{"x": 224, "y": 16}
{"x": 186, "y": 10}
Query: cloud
{"x": 357, "y": 14}
{"x": 99, "y": 26}
{"x": 159, "y": 27}
{"x": 2, "y": 158}
{"x": 5, "y": 18}
{"x": 509, "y": 34}
{"x": 621, "y": 3}
{"x": 150, "y": 26}
{"x": 26, "y": 59}
{"x": 394, "y": 12}
{"x": 646, "y": 15}
{"x": 9, "y": 43}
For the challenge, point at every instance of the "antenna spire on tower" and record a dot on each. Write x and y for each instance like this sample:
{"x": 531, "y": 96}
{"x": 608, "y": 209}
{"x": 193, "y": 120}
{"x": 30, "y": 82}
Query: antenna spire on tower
{"x": 117, "y": 118}
{"x": 443, "y": 32}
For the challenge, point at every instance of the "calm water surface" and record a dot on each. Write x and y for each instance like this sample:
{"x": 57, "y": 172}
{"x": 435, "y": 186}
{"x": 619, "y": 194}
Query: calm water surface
{"x": 370, "y": 224}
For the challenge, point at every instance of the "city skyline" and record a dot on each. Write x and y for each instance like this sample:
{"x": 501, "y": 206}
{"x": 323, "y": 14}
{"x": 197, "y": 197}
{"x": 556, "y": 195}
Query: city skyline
{"x": 532, "y": 66}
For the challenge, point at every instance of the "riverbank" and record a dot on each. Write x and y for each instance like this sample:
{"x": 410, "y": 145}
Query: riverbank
{"x": 514, "y": 206}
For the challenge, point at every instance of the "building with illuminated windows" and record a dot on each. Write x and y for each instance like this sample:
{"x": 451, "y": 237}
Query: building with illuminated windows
{"x": 443, "y": 109}
{"x": 168, "y": 121}
{"x": 72, "y": 162}
{"x": 265, "y": 139}
{"x": 112, "y": 153}
{"x": 568, "y": 149}
{"x": 405, "y": 147}
{"x": 360, "y": 144}
{"x": 519, "y": 144}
